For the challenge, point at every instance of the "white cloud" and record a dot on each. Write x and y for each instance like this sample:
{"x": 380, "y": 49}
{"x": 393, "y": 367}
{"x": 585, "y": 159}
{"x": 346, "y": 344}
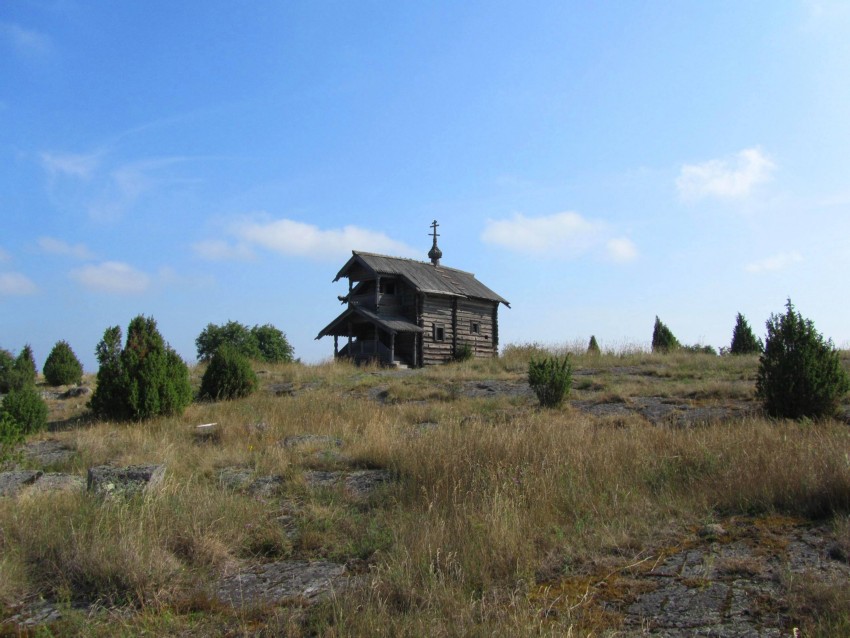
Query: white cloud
{"x": 14, "y": 283}
{"x": 219, "y": 250}
{"x": 25, "y": 42}
{"x": 621, "y": 249}
{"x": 289, "y": 237}
{"x": 774, "y": 263}
{"x": 111, "y": 277}
{"x": 54, "y": 246}
{"x": 728, "y": 178}
{"x": 562, "y": 235}
{"x": 70, "y": 164}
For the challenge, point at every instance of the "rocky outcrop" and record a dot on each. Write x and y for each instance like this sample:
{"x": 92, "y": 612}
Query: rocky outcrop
{"x": 106, "y": 480}
{"x": 276, "y": 583}
{"x": 11, "y": 483}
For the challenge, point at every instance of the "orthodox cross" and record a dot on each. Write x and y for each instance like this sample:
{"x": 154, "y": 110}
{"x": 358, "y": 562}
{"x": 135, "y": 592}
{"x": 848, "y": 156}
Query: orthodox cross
{"x": 435, "y": 253}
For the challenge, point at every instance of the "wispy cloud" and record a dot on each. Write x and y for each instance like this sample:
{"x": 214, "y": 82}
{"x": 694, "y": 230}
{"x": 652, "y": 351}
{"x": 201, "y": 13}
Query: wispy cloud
{"x": 289, "y": 237}
{"x": 728, "y": 178}
{"x": 106, "y": 190}
{"x": 111, "y": 277}
{"x": 53, "y": 246}
{"x": 81, "y": 165}
{"x": 14, "y": 283}
{"x": 774, "y": 263}
{"x": 220, "y": 250}
{"x": 562, "y": 235}
{"x": 25, "y": 42}
{"x": 621, "y": 249}
{"x": 827, "y": 11}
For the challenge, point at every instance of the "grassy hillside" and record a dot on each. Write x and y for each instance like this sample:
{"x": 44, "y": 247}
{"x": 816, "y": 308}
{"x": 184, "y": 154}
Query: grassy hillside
{"x": 500, "y": 518}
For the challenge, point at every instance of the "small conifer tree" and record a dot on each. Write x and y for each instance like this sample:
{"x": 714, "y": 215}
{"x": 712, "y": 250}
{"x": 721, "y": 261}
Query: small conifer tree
{"x": 62, "y": 366}
{"x": 593, "y": 347}
{"x": 662, "y": 338}
{"x": 144, "y": 379}
{"x": 7, "y": 365}
{"x": 800, "y": 374}
{"x": 743, "y": 339}
{"x": 21, "y": 372}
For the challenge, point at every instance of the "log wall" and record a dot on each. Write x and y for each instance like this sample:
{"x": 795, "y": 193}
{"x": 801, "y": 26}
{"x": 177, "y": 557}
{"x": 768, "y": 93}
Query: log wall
{"x": 456, "y": 317}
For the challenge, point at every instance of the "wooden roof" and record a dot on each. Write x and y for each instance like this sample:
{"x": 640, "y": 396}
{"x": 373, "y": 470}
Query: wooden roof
{"x": 390, "y": 324}
{"x": 423, "y": 276}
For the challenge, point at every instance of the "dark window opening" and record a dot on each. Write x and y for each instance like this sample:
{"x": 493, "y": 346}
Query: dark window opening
{"x": 475, "y": 328}
{"x": 388, "y": 287}
{"x": 439, "y": 333}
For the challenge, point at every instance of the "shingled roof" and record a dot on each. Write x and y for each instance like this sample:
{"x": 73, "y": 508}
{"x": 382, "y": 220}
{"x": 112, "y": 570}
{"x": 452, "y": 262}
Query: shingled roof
{"x": 423, "y": 276}
{"x": 392, "y": 325}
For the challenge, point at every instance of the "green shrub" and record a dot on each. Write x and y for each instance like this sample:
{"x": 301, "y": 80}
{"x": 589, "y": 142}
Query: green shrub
{"x": 62, "y": 366}
{"x": 663, "y": 339}
{"x": 743, "y": 339}
{"x": 144, "y": 379}
{"x": 11, "y": 436}
{"x": 260, "y": 343}
{"x": 228, "y": 376}
{"x": 699, "y": 349}
{"x": 550, "y": 378}
{"x": 272, "y": 343}
{"x": 26, "y": 408}
{"x": 464, "y": 352}
{"x": 593, "y": 347}
{"x": 800, "y": 374}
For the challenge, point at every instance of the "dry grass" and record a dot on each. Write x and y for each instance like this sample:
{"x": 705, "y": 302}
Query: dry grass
{"x": 494, "y": 500}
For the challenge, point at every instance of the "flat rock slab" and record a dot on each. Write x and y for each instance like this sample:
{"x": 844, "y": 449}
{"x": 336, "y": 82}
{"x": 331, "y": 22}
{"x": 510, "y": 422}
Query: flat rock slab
{"x": 479, "y": 389}
{"x": 321, "y": 478}
{"x": 730, "y": 587}
{"x": 359, "y": 484}
{"x": 49, "y": 452}
{"x": 664, "y": 411}
{"x": 276, "y": 583}
{"x": 58, "y": 482}
{"x": 235, "y": 478}
{"x": 242, "y": 479}
{"x": 11, "y": 483}
{"x": 30, "y": 616}
{"x": 106, "y": 480}
{"x": 266, "y": 486}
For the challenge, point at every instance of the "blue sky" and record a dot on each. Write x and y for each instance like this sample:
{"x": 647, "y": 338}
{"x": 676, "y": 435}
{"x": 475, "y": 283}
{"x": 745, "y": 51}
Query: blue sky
{"x": 595, "y": 163}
